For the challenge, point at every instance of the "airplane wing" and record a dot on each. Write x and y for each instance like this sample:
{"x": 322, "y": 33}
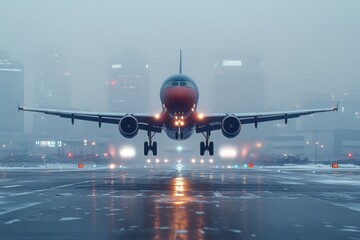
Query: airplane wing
{"x": 214, "y": 121}
{"x": 146, "y": 121}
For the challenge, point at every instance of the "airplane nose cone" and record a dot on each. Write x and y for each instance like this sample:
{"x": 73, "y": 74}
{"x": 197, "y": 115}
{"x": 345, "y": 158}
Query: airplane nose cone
{"x": 179, "y": 99}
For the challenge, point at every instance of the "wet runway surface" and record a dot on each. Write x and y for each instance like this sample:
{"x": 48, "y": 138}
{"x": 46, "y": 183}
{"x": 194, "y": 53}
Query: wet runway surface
{"x": 258, "y": 203}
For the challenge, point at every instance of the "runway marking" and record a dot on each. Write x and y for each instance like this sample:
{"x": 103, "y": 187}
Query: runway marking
{"x": 351, "y": 206}
{"x": 21, "y": 207}
{"x": 12, "y": 186}
{"x": 338, "y": 182}
{"x": 46, "y": 189}
{"x": 69, "y": 218}
{"x": 13, "y": 221}
{"x": 291, "y": 183}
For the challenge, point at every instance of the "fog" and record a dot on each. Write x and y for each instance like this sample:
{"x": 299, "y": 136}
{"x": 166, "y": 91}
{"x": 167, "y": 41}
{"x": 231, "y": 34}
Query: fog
{"x": 306, "y": 47}
{"x": 303, "y": 43}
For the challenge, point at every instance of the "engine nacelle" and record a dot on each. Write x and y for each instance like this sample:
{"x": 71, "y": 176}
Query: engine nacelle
{"x": 231, "y": 126}
{"x": 128, "y": 126}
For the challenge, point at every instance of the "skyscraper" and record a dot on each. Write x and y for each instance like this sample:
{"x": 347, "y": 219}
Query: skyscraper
{"x": 11, "y": 91}
{"x": 239, "y": 84}
{"x": 52, "y": 90}
{"x": 128, "y": 83}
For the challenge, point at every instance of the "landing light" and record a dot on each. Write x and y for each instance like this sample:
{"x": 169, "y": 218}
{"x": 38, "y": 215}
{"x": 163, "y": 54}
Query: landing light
{"x": 179, "y": 148}
{"x": 200, "y": 116}
{"x": 157, "y": 116}
{"x": 112, "y": 166}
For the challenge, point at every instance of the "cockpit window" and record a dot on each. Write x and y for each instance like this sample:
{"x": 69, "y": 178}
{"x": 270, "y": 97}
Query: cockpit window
{"x": 179, "y": 82}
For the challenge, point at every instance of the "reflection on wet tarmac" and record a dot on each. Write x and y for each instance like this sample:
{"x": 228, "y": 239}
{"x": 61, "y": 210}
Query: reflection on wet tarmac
{"x": 175, "y": 210}
{"x": 156, "y": 204}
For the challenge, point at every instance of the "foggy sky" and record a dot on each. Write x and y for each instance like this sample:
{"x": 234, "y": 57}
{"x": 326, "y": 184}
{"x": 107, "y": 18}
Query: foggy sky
{"x": 306, "y": 46}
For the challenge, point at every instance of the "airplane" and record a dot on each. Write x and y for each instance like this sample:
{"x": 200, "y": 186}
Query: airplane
{"x": 179, "y": 117}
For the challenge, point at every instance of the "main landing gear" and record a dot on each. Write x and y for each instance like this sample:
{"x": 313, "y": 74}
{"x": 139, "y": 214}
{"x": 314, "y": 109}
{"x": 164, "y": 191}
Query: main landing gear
{"x": 206, "y": 146}
{"x": 150, "y": 146}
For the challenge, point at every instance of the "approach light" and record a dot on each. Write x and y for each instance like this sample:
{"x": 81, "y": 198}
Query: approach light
{"x": 193, "y": 160}
{"x": 112, "y": 166}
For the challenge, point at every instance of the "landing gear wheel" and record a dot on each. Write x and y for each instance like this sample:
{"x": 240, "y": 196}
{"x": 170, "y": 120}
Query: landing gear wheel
{"x": 150, "y": 146}
{"x": 207, "y": 146}
{"x": 154, "y": 148}
{"x": 202, "y": 148}
{"x": 146, "y": 148}
{"x": 211, "y": 148}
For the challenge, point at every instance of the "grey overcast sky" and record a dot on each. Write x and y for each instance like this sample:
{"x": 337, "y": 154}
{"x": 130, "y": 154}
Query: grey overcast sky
{"x": 306, "y": 45}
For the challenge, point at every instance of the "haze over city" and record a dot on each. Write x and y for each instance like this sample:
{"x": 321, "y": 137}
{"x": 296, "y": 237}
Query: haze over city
{"x": 305, "y": 46}
{"x": 179, "y": 119}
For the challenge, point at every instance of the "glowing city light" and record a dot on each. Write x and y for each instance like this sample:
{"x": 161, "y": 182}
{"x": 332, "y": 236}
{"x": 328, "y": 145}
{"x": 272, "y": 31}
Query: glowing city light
{"x": 228, "y": 152}
{"x": 127, "y": 152}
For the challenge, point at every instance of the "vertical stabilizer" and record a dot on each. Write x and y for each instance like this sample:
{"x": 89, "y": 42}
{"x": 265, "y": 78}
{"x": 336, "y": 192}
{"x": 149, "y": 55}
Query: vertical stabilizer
{"x": 180, "y": 65}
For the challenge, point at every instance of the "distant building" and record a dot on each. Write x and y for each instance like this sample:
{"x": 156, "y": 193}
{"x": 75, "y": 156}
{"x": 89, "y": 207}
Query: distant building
{"x": 52, "y": 90}
{"x": 128, "y": 84}
{"x": 11, "y": 91}
{"x": 239, "y": 84}
{"x": 319, "y": 145}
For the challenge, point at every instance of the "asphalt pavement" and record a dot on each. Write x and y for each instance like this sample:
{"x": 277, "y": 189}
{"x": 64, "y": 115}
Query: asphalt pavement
{"x": 315, "y": 202}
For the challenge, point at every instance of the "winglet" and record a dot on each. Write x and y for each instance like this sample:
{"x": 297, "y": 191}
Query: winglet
{"x": 337, "y": 107}
{"x": 180, "y": 65}
{"x": 19, "y": 108}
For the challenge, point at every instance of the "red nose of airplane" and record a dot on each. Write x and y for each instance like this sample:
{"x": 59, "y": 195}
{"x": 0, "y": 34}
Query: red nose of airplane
{"x": 179, "y": 100}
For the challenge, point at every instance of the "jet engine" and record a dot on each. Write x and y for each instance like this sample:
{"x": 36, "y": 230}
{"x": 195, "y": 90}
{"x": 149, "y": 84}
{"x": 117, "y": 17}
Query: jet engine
{"x": 128, "y": 126}
{"x": 230, "y": 126}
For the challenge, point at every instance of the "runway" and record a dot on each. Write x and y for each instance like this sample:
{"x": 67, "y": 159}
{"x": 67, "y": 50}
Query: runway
{"x": 161, "y": 203}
